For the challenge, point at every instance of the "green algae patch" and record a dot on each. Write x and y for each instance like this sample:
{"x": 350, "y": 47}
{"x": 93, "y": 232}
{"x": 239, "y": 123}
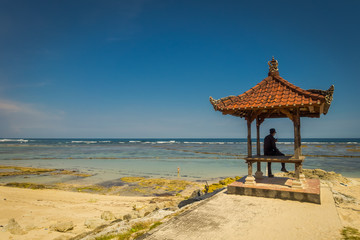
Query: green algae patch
{"x": 26, "y": 185}
{"x": 222, "y": 183}
{"x": 154, "y": 187}
{"x": 17, "y": 171}
{"x": 353, "y": 150}
{"x": 68, "y": 172}
{"x": 81, "y": 188}
{"x": 91, "y": 189}
{"x": 60, "y": 186}
{"x": 132, "y": 179}
{"x": 164, "y": 184}
{"x": 349, "y": 233}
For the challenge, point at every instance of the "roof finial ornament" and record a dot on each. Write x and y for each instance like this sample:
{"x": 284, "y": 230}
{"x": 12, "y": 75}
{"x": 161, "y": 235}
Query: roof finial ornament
{"x": 273, "y": 67}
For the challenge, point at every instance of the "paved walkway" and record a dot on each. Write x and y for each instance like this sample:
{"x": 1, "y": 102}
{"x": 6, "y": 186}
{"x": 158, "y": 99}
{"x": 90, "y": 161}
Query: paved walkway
{"x": 242, "y": 217}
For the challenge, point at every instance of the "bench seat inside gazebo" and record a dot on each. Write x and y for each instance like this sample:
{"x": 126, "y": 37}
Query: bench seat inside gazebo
{"x": 280, "y": 159}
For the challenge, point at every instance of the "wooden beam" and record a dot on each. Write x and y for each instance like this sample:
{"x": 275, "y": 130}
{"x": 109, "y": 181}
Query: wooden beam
{"x": 321, "y": 110}
{"x": 311, "y": 109}
{"x": 267, "y": 115}
{"x": 254, "y": 114}
{"x": 287, "y": 113}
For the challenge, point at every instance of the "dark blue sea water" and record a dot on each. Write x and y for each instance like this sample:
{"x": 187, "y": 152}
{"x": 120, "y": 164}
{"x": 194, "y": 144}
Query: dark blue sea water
{"x": 198, "y": 159}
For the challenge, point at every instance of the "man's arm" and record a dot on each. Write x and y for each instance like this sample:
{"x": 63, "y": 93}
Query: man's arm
{"x": 276, "y": 149}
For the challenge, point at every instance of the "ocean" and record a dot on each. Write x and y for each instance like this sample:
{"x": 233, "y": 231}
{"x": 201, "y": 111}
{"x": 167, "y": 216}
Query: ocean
{"x": 198, "y": 159}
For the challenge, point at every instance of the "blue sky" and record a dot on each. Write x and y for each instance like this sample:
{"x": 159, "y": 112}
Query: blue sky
{"x": 117, "y": 69}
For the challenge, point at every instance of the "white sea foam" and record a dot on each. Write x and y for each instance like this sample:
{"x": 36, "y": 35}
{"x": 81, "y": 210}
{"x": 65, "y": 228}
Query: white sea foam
{"x": 105, "y": 141}
{"x": 87, "y": 142}
{"x": 195, "y": 142}
{"x": 161, "y": 142}
{"x": 321, "y": 143}
{"x": 134, "y": 141}
{"x": 14, "y": 140}
{"x": 209, "y": 143}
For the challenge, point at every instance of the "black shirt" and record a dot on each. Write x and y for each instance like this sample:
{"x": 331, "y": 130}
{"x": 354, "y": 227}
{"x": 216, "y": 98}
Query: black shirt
{"x": 270, "y": 146}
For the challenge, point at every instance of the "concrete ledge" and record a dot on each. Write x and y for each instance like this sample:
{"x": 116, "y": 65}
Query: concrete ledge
{"x": 278, "y": 188}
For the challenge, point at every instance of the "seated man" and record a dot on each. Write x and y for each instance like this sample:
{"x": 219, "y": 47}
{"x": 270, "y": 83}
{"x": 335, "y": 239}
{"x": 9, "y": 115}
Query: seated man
{"x": 270, "y": 149}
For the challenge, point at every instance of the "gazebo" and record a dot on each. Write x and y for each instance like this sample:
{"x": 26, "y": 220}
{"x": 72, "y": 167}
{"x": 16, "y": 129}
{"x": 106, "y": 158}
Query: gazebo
{"x": 274, "y": 97}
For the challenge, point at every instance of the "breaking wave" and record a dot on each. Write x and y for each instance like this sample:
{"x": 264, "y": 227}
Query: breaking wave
{"x": 14, "y": 140}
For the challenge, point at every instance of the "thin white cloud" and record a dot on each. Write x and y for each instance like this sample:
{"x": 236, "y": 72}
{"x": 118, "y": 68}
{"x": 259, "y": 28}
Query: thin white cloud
{"x": 19, "y": 119}
{"x": 5, "y": 85}
{"x": 9, "y": 107}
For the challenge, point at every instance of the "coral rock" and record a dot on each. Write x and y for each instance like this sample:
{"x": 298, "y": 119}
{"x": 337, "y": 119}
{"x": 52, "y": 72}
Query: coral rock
{"x": 62, "y": 226}
{"x": 14, "y": 228}
{"x": 93, "y": 223}
{"x": 107, "y": 215}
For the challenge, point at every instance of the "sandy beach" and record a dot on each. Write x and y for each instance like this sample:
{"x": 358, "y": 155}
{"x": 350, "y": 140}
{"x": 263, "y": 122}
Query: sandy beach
{"x": 36, "y": 210}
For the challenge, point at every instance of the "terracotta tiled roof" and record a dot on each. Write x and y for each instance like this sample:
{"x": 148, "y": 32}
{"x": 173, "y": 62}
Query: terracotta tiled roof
{"x": 273, "y": 91}
{"x": 275, "y": 97}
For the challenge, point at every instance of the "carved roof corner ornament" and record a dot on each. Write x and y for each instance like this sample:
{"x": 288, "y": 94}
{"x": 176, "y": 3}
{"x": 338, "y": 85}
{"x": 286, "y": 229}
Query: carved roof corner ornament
{"x": 273, "y": 67}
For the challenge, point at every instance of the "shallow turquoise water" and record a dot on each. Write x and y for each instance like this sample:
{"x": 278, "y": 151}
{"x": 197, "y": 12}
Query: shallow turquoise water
{"x": 198, "y": 159}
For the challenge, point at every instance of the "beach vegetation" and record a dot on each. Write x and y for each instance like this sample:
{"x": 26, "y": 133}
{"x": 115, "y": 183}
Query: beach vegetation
{"x": 155, "y": 224}
{"x": 222, "y": 183}
{"x": 349, "y": 233}
{"x": 136, "y": 230}
{"x": 106, "y": 237}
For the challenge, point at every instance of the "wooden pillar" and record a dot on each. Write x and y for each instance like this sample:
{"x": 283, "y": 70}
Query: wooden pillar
{"x": 250, "y": 180}
{"x": 249, "y": 138}
{"x": 258, "y": 174}
{"x": 297, "y": 147}
{"x": 257, "y": 136}
{"x": 300, "y": 150}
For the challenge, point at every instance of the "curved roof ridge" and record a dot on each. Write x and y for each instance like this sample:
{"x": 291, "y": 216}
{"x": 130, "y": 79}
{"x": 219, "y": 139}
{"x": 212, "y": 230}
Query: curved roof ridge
{"x": 298, "y": 89}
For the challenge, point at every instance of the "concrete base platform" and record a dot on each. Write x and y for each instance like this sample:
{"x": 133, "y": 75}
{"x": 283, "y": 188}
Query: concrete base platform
{"x": 278, "y": 187}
